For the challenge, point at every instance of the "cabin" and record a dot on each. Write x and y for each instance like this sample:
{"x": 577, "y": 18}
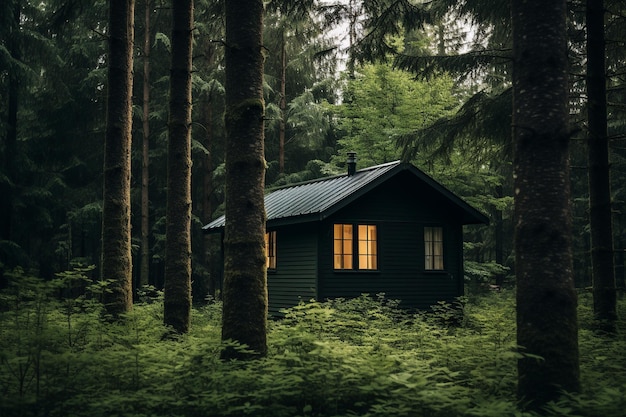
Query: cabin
{"x": 388, "y": 229}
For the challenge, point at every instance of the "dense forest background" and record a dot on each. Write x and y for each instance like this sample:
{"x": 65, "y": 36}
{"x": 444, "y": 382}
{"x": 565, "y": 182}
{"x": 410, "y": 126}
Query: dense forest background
{"x": 437, "y": 94}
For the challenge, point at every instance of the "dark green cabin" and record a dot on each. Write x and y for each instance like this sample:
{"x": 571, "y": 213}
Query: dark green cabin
{"x": 385, "y": 229}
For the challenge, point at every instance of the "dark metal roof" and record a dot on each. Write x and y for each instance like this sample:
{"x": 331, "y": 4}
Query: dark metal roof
{"x": 316, "y": 200}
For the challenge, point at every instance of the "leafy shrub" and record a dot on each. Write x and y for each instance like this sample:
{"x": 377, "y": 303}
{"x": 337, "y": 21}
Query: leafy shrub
{"x": 359, "y": 357}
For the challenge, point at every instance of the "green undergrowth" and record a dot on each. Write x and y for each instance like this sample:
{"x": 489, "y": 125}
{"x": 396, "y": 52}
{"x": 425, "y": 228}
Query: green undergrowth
{"x": 364, "y": 357}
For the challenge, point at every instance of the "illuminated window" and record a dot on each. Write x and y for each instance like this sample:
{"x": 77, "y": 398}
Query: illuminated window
{"x": 367, "y": 246}
{"x": 343, "y": 243}
{"x": 433, "y": 252}
{"x": 350, "y": 241}
{"x": 270, "y": 249}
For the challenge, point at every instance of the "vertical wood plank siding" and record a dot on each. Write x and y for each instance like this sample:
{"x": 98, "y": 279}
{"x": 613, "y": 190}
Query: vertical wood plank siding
{"x": 295, "y": 277}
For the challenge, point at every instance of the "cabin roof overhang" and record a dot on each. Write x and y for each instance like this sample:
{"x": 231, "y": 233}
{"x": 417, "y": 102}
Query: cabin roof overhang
{"x": 319, "y": 199}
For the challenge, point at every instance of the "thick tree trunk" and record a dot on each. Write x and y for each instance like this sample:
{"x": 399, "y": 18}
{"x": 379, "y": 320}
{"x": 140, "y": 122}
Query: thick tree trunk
{"x": 546, "y": 298}
{"x": 600, "y": 216}
{"x": 144, "y": 272}
{"x": 245, "y": 286}
{"x": 116, "y": 243}
{"x": 177, "y": 301}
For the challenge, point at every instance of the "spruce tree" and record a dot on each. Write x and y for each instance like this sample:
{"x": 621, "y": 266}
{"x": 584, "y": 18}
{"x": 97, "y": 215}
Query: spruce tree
{"x": 245, "y": 281}
{"x": 116, "y": 237}
{"x": 177, "y": 302}
{"x": 546, "y": 298}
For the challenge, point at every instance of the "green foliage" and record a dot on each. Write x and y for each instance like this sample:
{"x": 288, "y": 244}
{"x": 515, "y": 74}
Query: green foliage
{"x": 382, "y": 103}
{"x": 358, "y": 357}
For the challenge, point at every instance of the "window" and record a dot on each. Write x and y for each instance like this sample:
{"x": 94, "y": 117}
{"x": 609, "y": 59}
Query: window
{"x": 270, "y": 249}
{"x": 367, "y": 246}
{"x": 343, "y": 243}
{"x": 350, "y": 241}
{"x": 433, "y": 248}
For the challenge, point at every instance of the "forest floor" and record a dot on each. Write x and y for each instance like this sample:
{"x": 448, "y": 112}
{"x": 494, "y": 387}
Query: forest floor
{"x": 361, "y": 357}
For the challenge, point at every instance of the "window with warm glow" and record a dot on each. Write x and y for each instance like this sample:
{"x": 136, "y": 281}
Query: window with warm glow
{"x": 343, "y": 243}
{"x": 270, "y": 249}
{"x": 355, "y": 241}
{"x": 367, "y": 246}
{"x": 433, "y": 252}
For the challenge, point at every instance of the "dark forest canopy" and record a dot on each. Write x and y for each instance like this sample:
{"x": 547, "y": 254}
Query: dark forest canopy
{"x": 453, "y": 123}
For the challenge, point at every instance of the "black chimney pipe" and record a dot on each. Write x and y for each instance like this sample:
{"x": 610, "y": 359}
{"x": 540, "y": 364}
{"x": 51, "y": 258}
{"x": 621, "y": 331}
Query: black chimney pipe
{"x": 351, "y": 163}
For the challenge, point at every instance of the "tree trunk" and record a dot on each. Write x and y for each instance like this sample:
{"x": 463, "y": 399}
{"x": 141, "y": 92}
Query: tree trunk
{"x": 600, "y": 216}
{"x": 10, "y": 143}
{"x": 177, "y": 301}
{"x": 282, "y": 104}
{"x": 499, "y": 237}
{"x": 546, "y": 298}
{"x": 207, "y": 179}
{"x": 245, "y": 285}
{"x": 116, "y": 243}
{"x": 144, "y": 272}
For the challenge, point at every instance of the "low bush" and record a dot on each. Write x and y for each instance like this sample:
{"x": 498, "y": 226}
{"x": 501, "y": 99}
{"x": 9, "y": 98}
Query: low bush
{"x": 358, "y": 357}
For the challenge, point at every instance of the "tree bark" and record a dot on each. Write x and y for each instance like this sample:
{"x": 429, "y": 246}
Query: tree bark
{"x": 245, "y": 281}
{"x": 116, "y": 243}
{"x": 283, "y": 104}
{"x": 546, "y": 298}
{"x": 7, "y": 186}
{"x": 177, "y": 302}
{"x": 144, "y": 272}
{"x": 600, "y": 216}
{"x": 210, "y": 286}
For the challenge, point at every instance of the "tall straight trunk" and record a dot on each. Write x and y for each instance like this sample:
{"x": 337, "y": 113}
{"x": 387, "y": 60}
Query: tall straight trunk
{"x": 499, "y": 237}
{"x": 209, "y": 286}
{"x": 177, "y": 300}
{"x": 600, "y": 216}
{"x": 207, "y": 177}
{"x": 245, "y": 282}
{"x": 546, "y": 298}
{"x": 116, "y": 243}
{"x": 282, "y": 104}
{"x": 144, "y": 272}
{"x": 8, "y": 167}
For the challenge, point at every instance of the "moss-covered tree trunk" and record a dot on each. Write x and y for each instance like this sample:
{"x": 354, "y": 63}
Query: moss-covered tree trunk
{"x": 116, "y": 243}
{"x": 546, "y": 298}
{"x": 600, "y": 215}
{"x": 177, "y": 301}
{"x": 245, "y": 285}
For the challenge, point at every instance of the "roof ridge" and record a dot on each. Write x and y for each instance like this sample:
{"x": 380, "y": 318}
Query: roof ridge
{"x": 331, "y": 177}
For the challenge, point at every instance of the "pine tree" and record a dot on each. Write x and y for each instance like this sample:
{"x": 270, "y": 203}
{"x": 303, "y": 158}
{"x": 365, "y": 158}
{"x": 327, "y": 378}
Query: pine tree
{"x": 116, "y": 237}
{"x": 245, "y": 282}
{"x": 600, "y": 216}
{"x": 177, "y": 301}
{"x": 144, "y": 270}
{"x": 546, "y": 298}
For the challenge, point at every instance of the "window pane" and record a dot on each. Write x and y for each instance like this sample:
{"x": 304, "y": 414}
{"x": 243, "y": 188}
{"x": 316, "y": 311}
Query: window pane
{"x": 433, "y": 248}
{"x": 347, "y": 247}
{"x": 367, "y": 246}
{"x": 342, "y": 246}
{"x": 270, "y": 249}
